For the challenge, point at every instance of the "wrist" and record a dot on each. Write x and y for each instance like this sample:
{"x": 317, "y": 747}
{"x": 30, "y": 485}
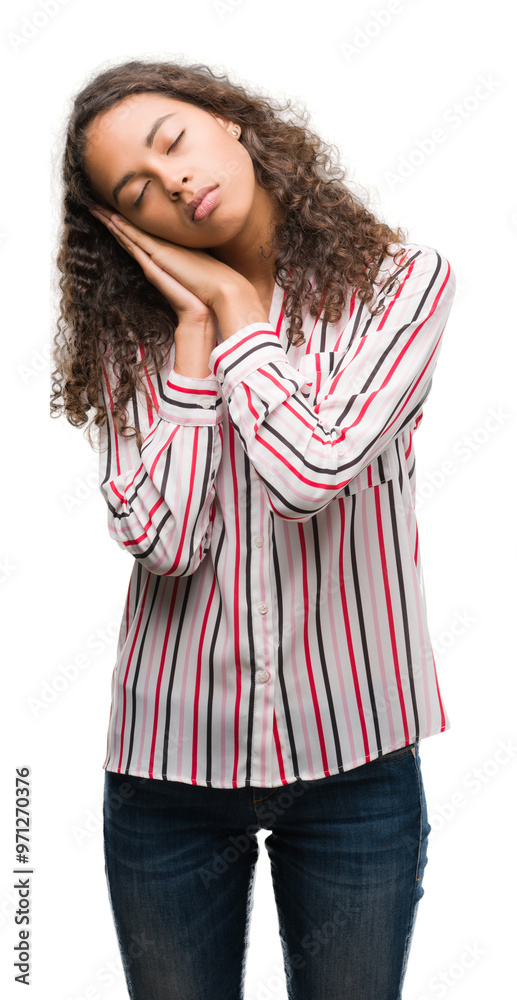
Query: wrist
{"x": 236, "y": 306}
{"x": 194, "y": 371}
{"x": 193, "y": 344}
{"x": 203, "y": 327}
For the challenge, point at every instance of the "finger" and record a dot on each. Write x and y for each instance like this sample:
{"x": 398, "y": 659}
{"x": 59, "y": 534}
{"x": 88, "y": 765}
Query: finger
{"x": 106, "y": 221}
{"x": 143, "y": 240}
{"x": 109, "y": 219}
{"x": 132, "y": 248}
{"x": 119, "y": 237}
{"x": 99, "y": 214}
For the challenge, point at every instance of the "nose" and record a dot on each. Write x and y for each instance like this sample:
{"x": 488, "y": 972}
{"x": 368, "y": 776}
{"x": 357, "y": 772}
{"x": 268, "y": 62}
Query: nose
{"x": 174, "y": 189}
{"x": 173, "y": 181}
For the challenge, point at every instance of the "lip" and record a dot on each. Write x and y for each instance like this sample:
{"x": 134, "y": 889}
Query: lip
{"x": 200, "y": 197}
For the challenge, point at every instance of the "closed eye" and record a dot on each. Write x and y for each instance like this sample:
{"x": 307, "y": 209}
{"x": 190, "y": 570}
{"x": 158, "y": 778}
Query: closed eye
{"x": 138, "y": 201}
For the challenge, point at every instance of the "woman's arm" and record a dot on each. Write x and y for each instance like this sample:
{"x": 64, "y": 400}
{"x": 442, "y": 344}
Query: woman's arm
{"x": 160, "y": 500}
{"x": 304, "y": 454}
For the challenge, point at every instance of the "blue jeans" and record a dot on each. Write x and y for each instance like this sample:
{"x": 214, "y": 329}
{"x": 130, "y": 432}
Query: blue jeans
{"x": 347, "y": 855}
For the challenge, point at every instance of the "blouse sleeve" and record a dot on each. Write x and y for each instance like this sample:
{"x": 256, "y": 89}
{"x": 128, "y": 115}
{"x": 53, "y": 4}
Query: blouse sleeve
{"x": 160, "y": 499}
{"x": 305, "y": 455}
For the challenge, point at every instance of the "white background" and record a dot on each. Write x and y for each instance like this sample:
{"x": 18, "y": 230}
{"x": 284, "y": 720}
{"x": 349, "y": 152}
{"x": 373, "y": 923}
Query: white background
{"x": 377, "y": 91}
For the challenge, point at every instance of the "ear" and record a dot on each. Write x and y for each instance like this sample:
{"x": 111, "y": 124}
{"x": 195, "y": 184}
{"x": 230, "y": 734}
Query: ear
{"x": 224, "y": 122}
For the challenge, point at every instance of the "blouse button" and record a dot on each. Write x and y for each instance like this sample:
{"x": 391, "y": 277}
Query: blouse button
{"x": 220, "y": 377}
{"x": 262, "y": 676}
{"x": 259, "y": 542}
{"x": 206, "y": 403}
{"x": 263, "y": 608}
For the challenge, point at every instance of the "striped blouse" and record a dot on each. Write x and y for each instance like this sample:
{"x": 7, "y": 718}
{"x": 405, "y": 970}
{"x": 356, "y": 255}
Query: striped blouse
{"x": 275, "y": 621}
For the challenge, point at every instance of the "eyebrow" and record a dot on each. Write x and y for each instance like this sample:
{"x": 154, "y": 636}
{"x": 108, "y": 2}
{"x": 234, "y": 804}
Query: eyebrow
{"x": 148, "y": 141}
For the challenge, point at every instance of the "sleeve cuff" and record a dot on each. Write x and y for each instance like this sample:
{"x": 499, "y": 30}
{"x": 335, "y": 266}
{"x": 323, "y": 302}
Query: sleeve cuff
{"x": 246, "y": 350}
{"x": 195, "y": 401}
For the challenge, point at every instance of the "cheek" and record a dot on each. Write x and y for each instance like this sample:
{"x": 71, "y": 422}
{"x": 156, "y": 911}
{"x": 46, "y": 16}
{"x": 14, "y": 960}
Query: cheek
{"x": 235, "y": 169}
{"x": 164, "y": 230}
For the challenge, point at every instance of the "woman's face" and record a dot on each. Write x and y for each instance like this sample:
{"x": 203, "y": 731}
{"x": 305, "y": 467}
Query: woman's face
{"x": 148, "y": 167}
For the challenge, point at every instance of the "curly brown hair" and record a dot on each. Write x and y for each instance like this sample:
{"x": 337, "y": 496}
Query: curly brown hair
{"x": 107, "y": 303}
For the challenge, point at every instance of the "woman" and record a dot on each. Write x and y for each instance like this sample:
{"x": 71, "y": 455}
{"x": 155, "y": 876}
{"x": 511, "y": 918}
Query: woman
{"x": 257, "y": 349}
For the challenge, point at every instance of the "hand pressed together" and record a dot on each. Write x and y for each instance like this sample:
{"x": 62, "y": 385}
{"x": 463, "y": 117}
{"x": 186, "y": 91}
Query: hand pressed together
{"x": 191, "y": 280}
{"x": 201, "y": 290}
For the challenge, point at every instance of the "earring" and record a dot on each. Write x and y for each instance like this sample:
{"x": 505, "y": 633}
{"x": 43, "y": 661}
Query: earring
{"x": 235, "y": 131}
